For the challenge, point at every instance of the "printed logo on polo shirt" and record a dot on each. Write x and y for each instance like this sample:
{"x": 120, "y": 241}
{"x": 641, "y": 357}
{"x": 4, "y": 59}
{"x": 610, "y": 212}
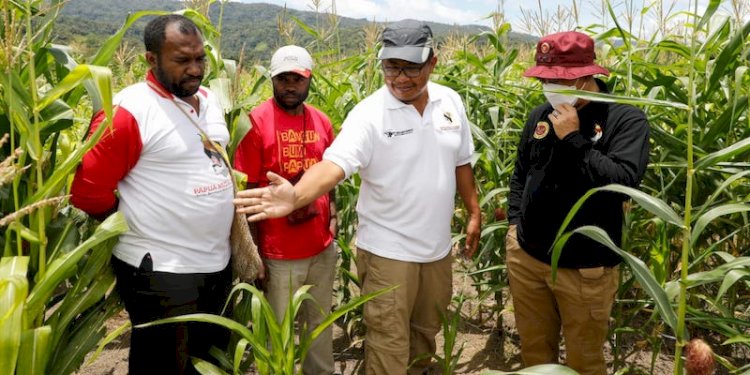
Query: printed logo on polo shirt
{"x": 390, "y": 133}
{"x": 542, "y": 129}
{"x": 448, "y": 122}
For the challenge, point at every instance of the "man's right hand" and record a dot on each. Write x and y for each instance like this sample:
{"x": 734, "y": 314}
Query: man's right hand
{"x": 275, "y": 200}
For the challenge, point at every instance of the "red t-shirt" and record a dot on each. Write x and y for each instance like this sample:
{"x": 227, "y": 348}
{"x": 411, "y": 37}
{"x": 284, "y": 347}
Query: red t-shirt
{"x": 287, "y": 145}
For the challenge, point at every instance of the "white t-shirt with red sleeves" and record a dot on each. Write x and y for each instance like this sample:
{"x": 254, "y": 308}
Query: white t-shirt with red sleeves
{"x": 175, "y": 191}
{"x": 407, "y": 163}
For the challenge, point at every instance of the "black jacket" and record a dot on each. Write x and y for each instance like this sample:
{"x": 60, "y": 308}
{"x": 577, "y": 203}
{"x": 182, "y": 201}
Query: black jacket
{"x": 552, "y": 174}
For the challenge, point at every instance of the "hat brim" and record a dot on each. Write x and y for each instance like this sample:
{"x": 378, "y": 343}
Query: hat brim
{"x": 303, "y": 72}
{"x": 408, "y": 53}
{"x": 564, "y": 72}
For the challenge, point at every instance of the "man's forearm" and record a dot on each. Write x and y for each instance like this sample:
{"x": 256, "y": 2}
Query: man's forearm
{"x": 321, "y": 178}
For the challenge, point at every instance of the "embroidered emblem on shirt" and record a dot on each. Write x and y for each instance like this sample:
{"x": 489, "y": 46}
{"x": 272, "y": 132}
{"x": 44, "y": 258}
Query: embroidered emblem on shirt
{"x": 393, "y": 133}
{"x": 541, "y": 131}
{"x": 448, "y": 116}
{"x": 597, "y": 133}
{"x": 448, "y": 124}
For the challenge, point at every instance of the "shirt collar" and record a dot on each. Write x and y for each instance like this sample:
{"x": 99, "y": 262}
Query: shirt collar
{"x": 155, "y": 85}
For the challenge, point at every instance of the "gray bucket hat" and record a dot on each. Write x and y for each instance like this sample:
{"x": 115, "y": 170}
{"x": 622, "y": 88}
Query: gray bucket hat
{"x": 407, "y": 40}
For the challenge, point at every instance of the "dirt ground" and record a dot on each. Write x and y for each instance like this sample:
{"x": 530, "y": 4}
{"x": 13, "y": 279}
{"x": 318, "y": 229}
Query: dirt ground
{"x": 485, "y": 346}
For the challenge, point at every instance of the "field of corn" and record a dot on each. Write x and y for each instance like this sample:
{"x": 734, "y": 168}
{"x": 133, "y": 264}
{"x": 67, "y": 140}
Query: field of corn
{"x": 686, "y": 244}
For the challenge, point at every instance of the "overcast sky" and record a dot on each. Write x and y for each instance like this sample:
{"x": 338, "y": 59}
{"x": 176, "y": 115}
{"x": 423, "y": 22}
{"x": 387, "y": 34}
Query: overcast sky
{"x": 459, "y": 11}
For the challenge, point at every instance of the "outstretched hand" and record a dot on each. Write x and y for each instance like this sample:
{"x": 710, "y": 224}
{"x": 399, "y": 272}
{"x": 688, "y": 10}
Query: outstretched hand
{"x": 275, "y": 200}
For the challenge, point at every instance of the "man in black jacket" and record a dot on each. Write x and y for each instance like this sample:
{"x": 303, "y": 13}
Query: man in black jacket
{"x": 568, "y": 146}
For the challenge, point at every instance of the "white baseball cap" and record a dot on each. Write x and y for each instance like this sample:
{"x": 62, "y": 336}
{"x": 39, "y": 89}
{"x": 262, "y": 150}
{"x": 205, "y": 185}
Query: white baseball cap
{"x": 293, "y": 59}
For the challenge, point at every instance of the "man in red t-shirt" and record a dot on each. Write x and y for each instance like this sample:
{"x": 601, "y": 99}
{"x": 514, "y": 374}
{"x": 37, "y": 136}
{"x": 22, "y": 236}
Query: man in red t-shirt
{"x": 287, "y": 137}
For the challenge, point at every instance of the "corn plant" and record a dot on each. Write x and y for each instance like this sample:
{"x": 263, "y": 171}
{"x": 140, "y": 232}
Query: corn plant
{"x": 54, "y": 274}
{"x": 268, "y": 344}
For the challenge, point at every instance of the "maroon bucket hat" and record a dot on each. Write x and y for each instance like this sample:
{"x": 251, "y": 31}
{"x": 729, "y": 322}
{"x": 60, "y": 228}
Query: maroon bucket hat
{"x": 566, "y": 55}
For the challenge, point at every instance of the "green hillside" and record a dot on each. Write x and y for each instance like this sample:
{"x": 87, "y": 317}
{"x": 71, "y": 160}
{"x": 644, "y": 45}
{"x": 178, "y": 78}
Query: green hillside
{"x": 85, "y": 23}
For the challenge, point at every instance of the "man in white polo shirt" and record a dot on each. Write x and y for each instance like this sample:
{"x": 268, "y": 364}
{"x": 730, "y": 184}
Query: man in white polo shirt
{"x": 411, "y": 143}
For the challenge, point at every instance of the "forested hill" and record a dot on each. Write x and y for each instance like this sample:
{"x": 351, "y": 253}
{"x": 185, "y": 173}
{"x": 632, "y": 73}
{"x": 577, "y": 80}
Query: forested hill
{"x": 86, "y": 23}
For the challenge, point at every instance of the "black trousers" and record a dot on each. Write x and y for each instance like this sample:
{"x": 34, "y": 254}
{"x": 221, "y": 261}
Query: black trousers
{"x": 150, "y": 295}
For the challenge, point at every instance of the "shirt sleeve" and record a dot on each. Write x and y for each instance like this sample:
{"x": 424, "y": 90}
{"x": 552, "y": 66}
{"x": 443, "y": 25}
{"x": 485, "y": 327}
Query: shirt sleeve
{"x": 108, "y": 162}
{"x": 518, "y": 178}
{"x": 467, "y": 141}
{"x": 352, "y": 149}
{"x": 249, "y": 155}
{"x": 624, "y": 162}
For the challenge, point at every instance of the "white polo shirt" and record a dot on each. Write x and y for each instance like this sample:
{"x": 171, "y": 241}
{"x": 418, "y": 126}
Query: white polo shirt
{"x": 407, "y": 163}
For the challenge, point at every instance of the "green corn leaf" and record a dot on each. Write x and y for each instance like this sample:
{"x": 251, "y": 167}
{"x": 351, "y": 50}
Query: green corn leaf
{"x": 637, "y": 266}
{"x": 62, "y": 55}
{"x": 341, "y": 311}
{"x": 82, "y": 337}
{"x": 222, "y": 88}
{"x": 715, "y": 275}
{"x": 731, "y": 53}
{"x": 108, "y": 339}
{"x": 78, "y": 302}
{"x": 674, "y": 47}
{"x": 727, "y": 153}
{"x": 65, "y": 266}
{"x": 652, "y": 204}
{"x": 713, "y": 214}
{"x": 711, "y": 8}
{"x": 108, "y": 49}
{"x": 71, "y": 81}
{"x": 240, "y": 128}
{"x": 206, "y": 368}
{"x": 13, "y": 291}
{"x": 54, "y": 184}
{"x": 259, "y": 347}
{"x": 721, "y": 125}
{"x": 34, "y": 351}
{"x": 622, "y": 99}
{"x": 306, "y": 28}
{"x": 740, "y": 339}
{"x": 723, "y": 189}
{"x": 239, "y": 352}
{"x": 730, "y": 279}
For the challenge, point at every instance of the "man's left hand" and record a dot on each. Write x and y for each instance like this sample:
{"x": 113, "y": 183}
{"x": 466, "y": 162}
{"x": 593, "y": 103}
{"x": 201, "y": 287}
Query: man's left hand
{"x": 565, "y": 120}
{"x": 472, "y": 236}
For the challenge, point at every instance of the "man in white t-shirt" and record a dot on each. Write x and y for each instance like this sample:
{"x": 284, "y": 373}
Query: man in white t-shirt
{"x": 176, "y": 195}
{"x": 411, "y": 143}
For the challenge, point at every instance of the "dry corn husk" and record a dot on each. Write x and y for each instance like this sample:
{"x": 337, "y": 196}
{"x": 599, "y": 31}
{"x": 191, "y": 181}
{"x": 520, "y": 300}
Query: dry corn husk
{"x": 245, "y": 259}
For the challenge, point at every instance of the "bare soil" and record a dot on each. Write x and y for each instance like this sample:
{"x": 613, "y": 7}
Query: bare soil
{"x": 487, "y": 340}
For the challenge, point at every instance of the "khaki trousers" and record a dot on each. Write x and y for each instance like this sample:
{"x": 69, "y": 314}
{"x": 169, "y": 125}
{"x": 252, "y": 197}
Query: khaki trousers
{"x": 580, "y": 302}
{"x": 402, "y": 324}
{"x": 286, "y": 276}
